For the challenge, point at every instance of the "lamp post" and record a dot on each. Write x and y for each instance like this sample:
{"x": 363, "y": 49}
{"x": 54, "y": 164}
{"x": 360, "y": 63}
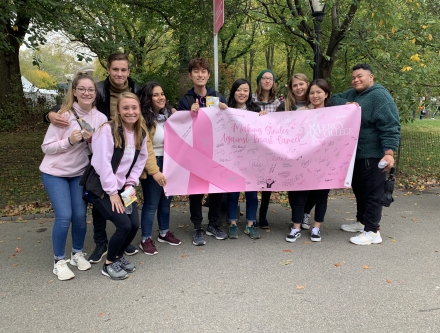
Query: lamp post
{"x": 317, "y": 7}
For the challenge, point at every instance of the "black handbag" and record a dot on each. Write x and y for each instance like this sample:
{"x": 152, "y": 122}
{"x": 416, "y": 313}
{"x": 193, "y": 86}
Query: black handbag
{"x": 387, "y": 197}
{"x": 92, "y": 183}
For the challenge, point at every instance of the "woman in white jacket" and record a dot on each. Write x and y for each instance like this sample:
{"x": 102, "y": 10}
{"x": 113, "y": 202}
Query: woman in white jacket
{"x": 66, "y": 156}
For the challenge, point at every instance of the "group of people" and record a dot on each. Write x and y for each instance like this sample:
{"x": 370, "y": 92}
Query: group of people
{"x": 119, "y": 128}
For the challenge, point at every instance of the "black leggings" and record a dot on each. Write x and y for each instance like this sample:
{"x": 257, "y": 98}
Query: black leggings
{"x": 318, "y": 198}
{"x": 264, "y": 205}
{"x": 126, "y": 227}
{"x": 297, "y": 200}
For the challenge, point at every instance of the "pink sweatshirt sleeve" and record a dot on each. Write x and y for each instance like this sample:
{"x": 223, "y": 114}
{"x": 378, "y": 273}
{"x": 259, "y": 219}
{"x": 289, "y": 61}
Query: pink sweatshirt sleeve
{"x": 138, "y": 168}
{"x": 56, "y": 139}
{"x": 103, "y": 147}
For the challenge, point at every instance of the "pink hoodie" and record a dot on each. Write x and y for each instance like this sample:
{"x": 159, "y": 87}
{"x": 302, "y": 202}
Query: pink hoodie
{"x": 103, "y": 146}
{"x": 61, "y": 159}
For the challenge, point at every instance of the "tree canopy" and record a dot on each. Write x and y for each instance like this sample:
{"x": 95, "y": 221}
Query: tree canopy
{"x": 399, "y": 38}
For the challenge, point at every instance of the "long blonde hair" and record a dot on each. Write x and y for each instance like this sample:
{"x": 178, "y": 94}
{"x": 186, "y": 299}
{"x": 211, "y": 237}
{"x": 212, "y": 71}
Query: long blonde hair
{"x": 139, "y": 125}
{"x": 70, "y": 97}
{"x": 290, "y": 100}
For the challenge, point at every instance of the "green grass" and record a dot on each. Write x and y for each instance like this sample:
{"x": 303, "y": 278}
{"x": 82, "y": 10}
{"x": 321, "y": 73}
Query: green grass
{"x": 425, "y": 125}
{"x": 20, "y": 180}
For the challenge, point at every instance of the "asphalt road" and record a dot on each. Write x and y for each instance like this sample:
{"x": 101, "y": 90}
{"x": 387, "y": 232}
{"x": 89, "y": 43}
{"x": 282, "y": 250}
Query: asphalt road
{"x": 243, "y": 285}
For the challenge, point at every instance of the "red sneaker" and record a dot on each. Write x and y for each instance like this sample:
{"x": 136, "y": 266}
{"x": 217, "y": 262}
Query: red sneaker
{"x": 148, "y": 247}
{"x": 169, "y": 238}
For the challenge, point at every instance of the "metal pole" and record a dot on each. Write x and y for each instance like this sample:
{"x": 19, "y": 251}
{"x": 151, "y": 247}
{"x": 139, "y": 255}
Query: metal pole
{"x": 316, "y": 49}
{"x": 216, "y": 62}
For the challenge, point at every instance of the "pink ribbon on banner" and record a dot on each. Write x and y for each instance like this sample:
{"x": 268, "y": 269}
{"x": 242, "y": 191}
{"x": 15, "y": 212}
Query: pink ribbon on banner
{"x": 198, "y": 159}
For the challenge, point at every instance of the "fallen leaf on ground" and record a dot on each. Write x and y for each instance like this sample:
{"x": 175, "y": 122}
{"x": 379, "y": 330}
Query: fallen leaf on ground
{"x": 183, "y": 211}
{"x": 18, "y": 238}
{"x": 274, "y": 211}
{"x": 335, "y": 210}
{"x": 415, "y": 204}
{"x": 307, "y": 242}
{"x": 288, "y": 251}
{"x": 101, "y": 314}
{"x": 388, "y": 281}
{"x": 299, "y": 287}
{"x": 365, "y": 267}
{"x": 268, "y": 230}
{"x": 337, "y": 265}
{"x": 14, "y": 264}
{"x": 17, "y": 249}
{"x": 181, "y": 226}
{"x": 286, "y": 262}
{"x": 183, "y": 256}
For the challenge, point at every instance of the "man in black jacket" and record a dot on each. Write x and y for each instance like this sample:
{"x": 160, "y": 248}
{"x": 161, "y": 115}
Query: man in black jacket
{"x": 117, "y": 82}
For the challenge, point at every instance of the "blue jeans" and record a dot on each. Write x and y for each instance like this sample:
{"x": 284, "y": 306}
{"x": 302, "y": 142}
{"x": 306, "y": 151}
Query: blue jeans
{"x": 65, "y": 195}
{"x": 154, "y": 199}
{"x": 251, "y": 205}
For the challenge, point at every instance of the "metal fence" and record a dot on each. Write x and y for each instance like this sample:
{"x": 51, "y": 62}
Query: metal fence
{"x": 418, "y": 158}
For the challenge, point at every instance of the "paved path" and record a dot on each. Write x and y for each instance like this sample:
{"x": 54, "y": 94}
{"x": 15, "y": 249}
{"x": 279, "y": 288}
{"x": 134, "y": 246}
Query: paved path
{"x": 266, "y": 285}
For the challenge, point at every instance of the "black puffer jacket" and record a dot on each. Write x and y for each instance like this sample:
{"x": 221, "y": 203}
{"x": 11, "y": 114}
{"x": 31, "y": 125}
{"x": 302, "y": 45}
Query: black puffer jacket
{"x": 103, "y": 96}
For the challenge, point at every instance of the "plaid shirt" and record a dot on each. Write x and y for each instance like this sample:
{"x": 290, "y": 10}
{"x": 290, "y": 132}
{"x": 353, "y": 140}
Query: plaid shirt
{"x": 267, "y": 106}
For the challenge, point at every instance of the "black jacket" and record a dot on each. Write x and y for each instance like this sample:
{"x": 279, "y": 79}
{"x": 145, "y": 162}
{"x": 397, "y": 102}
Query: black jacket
{"x": 103, "y": 95}
{"x": 190, "y": 96}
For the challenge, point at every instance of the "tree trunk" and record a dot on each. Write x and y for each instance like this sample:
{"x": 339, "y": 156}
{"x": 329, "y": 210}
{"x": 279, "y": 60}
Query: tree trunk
{"x": 245, "y": 68}
{"x": 251, "y": 64}
{"x": 12, "y": 101}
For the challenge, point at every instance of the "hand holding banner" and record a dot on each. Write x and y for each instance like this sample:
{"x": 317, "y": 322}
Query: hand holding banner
{"x": 235, "y": 150}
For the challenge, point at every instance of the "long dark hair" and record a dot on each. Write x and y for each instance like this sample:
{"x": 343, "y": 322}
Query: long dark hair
{"x": 323, "y": 84}
{"x": 147, "y": 110}
{"x": 250, "y": 104}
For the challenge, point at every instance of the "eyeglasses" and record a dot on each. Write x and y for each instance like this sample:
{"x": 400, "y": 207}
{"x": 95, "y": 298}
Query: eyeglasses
{"x": 267, "y": 78}
{"x": 83, "y": 90}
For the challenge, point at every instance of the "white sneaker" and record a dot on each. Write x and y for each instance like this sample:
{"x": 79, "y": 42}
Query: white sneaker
{"x": 366, "y": 238}
{"x": 305, "y": 223}
{"x": 63, "y": 271}
{"x": 79, "y": 261}
{"x": 353, "y": 227}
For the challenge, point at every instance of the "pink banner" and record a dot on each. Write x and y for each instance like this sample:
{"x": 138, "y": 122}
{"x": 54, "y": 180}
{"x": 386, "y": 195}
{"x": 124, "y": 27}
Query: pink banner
{"x": 213, "y": 151}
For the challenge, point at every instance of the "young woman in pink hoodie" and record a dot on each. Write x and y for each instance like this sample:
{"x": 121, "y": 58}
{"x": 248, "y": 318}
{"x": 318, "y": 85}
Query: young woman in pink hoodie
{"x": 124, "y": 136}
{"x": 66, "y": 156}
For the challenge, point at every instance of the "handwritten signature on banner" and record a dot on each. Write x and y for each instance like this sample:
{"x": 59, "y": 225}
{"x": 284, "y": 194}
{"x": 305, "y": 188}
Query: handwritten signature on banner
{"x": 235, "y": 150}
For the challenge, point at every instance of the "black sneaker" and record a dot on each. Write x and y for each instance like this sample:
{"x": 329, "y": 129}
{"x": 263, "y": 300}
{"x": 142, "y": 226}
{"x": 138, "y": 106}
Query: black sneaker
{"x": 315, "y": 236}
{"x": 264, "y": 224}
{"x": 99, "y": 252}
{"x": 214, "y": 230}
{"x": 293, "y": 236}
{"x": 114, "y": 271}
{"x": 131, "y": 250}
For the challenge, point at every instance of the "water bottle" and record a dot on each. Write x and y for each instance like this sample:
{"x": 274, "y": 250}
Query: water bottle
{"x": 382, "y": 164}
{"x": 129, "y": 209}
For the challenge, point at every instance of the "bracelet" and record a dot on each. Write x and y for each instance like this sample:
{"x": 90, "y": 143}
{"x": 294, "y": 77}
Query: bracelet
{"x": 68, "y": 139}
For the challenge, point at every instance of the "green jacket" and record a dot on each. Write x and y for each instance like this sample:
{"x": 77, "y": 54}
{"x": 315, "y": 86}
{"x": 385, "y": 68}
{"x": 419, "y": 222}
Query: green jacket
{"x": 380, "y": 124}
